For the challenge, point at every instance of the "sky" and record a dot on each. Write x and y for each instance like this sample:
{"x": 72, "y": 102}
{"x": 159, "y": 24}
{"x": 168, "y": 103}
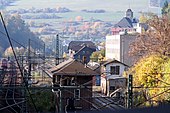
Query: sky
{"x": 76, "y": 5}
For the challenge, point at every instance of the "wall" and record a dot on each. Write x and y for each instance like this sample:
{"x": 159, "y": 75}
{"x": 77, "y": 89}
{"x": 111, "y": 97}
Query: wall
{"x": 113, "y": 47}
{"x": 117, "y": 83}
{"x": 118, "y": 46}
{"x": 84, "y": 52}
{"x": 125, "y": 42}
{"x": 85, "y": 94}
{"x": 109, "y": 76}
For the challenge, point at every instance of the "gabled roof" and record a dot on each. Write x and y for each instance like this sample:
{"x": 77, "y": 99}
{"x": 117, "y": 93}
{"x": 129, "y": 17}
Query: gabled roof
{"x": 61, "y": 65}
{"x": 73, "y": 68}
{"x": 129, "y": 10}
{"x": 83, "y": 48}
{"x": 77, "y": 45}
{"x": 124, "y": 23}
{"x": 113, "y": 61}
{"x": 95, "y": 68}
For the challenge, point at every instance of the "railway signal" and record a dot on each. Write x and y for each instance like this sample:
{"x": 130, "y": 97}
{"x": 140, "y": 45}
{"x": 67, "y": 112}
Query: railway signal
{"x": 130, "y": 92}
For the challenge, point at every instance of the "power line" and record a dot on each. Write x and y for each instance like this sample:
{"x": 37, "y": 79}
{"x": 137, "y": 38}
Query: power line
{"x": 156, "y": 87}
{"x": 12, "y": 39}
{"x": 159, "y": 79}
{"x": 152, "y": 98}
{"x": 9, "y": 39}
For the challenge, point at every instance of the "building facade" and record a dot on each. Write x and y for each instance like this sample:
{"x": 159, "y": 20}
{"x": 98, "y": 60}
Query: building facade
{"x": 83, "y": 54}
{"x": 81, "y": 50}
{"x": 75, "y": 79}
{"x": 112, "y": 76}
{"x": 118, "y": 47}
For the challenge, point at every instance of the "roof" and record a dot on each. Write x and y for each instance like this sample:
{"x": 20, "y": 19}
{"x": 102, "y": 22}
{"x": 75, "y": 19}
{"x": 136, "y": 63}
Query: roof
{"x": 72, "y": 67}
{"x": 84, "y": 46}
{"x": 77, "y": 45}
{"x": 113, "y": 61}
{"x": 96, "y": 68}
{"x": 129, "y": 10}
{"x": 61, "y": 65}
{"x": 125, "y": 22}
{"x": 162, "y": 108}
{"x": 116, "y": 78}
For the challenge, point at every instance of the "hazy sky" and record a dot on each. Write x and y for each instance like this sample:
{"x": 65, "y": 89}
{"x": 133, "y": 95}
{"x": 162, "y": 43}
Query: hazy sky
{"x": 108, "y": 5}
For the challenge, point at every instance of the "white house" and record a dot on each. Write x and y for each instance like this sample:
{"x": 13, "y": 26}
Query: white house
{"x": 112, "y": 76}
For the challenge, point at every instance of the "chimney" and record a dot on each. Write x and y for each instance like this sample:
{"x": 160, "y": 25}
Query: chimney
{"x": 84, "y": 60}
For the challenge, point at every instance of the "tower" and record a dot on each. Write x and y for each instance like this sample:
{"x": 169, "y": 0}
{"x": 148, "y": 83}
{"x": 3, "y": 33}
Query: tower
{"x": 129, "y": 14}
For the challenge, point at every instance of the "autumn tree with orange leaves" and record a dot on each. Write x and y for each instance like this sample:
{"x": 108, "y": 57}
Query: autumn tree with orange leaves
{"x": 151, "y": 72}
{"x": 156, "y": 40}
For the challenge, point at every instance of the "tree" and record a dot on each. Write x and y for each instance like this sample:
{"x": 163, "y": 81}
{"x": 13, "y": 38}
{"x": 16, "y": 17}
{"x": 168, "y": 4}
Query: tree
{"x": 151, "y": 72}
{"x": 8, "y": 52}
{"x": 18, "y": 30}
{"x": 19, "y": 51}
{"x": 94, "y": 56}
{"x": 143, "y": 18}
{"x": 164, "y": 9}
{"x": 44, "y": 101}
{"x": 98, "y": 55}
{"x": 156, "y": 40}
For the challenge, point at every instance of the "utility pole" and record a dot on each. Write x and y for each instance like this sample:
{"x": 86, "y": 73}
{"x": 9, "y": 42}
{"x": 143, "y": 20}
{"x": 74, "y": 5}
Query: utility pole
{"x": 57, "y": 50}
{"x": 60, "y": 101}
{"x": 43, "y": 59}
{"x": 130, "y": 92}
{"x": 29, "y": 58}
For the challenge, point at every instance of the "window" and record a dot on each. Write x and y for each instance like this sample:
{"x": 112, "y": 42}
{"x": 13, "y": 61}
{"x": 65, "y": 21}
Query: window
{"x": 112, "y": 88}
{"x": 73, "y": 81}
{"x": 77, "y": 94}
{"x": 84, "y": 60}
{"x": 69, "y": 81}
{"x": 114, "y": 70}
{"x": 98, "y": 79}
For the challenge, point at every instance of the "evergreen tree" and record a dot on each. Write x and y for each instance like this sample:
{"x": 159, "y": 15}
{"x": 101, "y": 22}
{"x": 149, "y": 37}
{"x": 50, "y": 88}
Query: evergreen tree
{"x": 165, "y": 8}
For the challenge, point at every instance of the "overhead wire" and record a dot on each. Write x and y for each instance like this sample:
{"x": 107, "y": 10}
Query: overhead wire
{"x": 165, "y": 91}
{"x": 152, "y": 98}
{"x": 9, "y": 39}
{"x": 14, "y": 40}
{"x": 87, "y": 90}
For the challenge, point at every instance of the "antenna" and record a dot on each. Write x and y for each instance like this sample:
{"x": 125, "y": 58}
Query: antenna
{"x": 129, "y": 5}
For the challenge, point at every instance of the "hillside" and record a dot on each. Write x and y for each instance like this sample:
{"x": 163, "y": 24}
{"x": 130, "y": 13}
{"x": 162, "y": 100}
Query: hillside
{"x": 18, "y": 31}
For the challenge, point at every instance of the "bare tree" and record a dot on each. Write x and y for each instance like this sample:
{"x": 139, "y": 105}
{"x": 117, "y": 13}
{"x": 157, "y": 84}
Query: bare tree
{"x": 156, "y": 40}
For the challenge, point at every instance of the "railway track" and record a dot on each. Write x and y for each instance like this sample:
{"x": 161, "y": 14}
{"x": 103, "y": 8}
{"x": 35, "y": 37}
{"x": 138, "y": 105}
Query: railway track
{"x": 11, "y": 98}
{"x": 105, "y": 102}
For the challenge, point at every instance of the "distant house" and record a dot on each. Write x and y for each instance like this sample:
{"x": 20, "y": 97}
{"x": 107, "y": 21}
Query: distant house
{"x": 112, "y": 76}
{"x": 76, "y": 80}
{"x": 126, "y": 24}
{"x": 81, "y": 50}
{"x": 83, "y": 54}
